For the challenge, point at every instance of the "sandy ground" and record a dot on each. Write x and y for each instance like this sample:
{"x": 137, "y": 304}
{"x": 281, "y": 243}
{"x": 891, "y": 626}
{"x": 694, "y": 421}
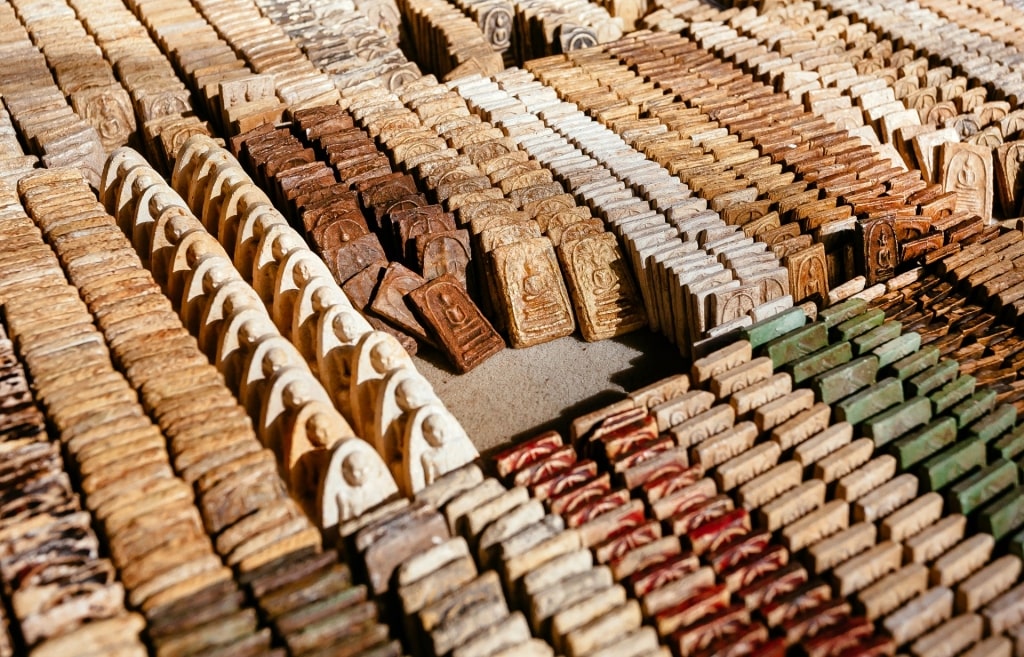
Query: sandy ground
{"x": 521, "y": 392}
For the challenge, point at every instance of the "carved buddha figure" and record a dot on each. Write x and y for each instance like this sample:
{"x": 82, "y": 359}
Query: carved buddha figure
{"x": 402, "y": 392}
{"x": 157, "y": 104}
{"x": 306, "y": 460}
{"x": 228, "y": 340}
{"x": 296, "y": 269}
{"x": 309, "y": 306}
{"x": 200, "y": 260}
{"x": 967, "y": 175}
{"x": 773, "y": 284}
{"x": 811, "y": 277}
{"x": 383, "y": 14}
{"x": 940, "y": 112}
{"x": 497, "y": 26}
{"x": 595, "y": 259}
{"x": 535, "y": 281}
{"x": 355, "y": 481}
{"x": 258, "y": 225}
{"x": 337, "y": 334}
{"x": 333, "y": 232}
{"x": 434, "y": 444}
{"x": 238, "y": 339}
{"x": 275, "y": 246}
{"x": 376, "y": 354}
{"x": 136, "y": 216}
{"x": 294, "y": 395}
{"x": 240, "y": 200}
{"x": 537, "y": 301}
{"x": 311, "y": 429}
{"x": 188, "y": 159}
{"x": 109, "y": 111}
{"x": 226, "y": 178}
{"x": 450, "y": 447}
{"x": 218, "y": 285}
{"x": 273, "y": 414}
{"x": 169, "y": 231}
{"x": 880, "y": 242}
{"x": 115, "y": 170}
{"x": 470, "y": 333}
{"x": 265, "y": 358}
{"x": 445, "y": 254}
{"x": 200, "y": 177}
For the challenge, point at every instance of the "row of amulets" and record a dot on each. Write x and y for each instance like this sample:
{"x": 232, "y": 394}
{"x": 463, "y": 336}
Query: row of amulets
{"x": 997, "y": 20}
{"x": 292, "y": 413}
{"x": 656, "y": 215}
{"x": 71, "y": 596}
{"x": 899, "y": 99}
{"x": 447, "y": 41}
{"x": 263, "y": 44}
{"x": 963, "y": 172}
{"x": 449, "y": 605}
{"x": 365, "y": 373}
{"x": 85, "y": 77}
{"x": 868, "y": 190}
{"x": 48, "y": 125}
{"x": 197, "y": 499}
{"x": 222, "y": 83}
{"x": 148, "y": 514}
{"x": 294, "y": 416}
{"x": 161, "y": 102}
{"x": 435, "y": 558}
{"x": 990, "y": 62}
{"x": 729, "y": 138}
{"x": 758, "y": 540}
{"x": 426, "y": 301}
{"x": 688, "y": 557}
{"x": 520, "y": 219}
{"x": 351, "y": 46}
{"x": 848, "y": 192}
{"x": 981, "y": 292}
{"x": 509, "y": 561}
{"x": 936, "y": 448}
{"x": 863, "y": 83}
{"x": 829, "y": 65}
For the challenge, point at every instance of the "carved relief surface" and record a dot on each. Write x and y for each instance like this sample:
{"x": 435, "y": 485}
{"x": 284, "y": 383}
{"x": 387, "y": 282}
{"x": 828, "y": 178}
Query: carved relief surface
{"x": 1008, "y": 159}
{"x": 967, "y": 170}
{"x": 878, "y": 249}
{"x": 808, "y": 273}
{"x": 536, "y": 300}
{"x": 606, "y": 299}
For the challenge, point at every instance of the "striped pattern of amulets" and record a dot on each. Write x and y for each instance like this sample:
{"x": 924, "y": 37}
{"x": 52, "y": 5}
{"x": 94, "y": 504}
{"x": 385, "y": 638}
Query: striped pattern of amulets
{"x": 240, "y": 238}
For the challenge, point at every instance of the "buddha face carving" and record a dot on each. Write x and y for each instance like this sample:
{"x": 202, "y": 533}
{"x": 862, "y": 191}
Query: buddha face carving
{"x": 356, "y": 469}
{"x": 385, "y": 357}
{"x": 436, "y": 430}
{"x": 347, "y": 327}
{"x": 413, "y": 393}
